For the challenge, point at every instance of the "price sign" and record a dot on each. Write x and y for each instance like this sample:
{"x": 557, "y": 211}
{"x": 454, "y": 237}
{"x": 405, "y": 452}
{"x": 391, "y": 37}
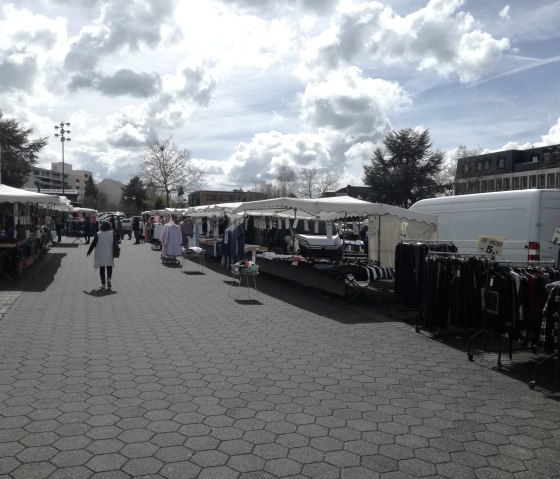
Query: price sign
{"x": 556, "y": 236}
{"x": 492, "y": 245}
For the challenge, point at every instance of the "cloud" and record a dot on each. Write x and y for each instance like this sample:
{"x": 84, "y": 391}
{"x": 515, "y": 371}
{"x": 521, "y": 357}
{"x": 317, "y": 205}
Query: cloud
{"x": 261, "y": 158}
{"x": 17, "y": 73}
{"x": 438, "y": 37}
{"x": 123, "y": 82}
{"x": 504, "y": 12}
{"x": 274, "y": 7}
{"x": 353, "y": 104}
{"x": 552, "y": 137}
{"x": 121, "y": 27}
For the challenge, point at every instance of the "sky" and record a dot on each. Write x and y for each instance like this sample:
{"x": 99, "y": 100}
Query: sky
{"x": 248, "y": 86}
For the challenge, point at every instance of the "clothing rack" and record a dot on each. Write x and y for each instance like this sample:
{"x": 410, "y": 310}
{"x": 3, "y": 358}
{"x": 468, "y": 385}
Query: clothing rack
{"x": 410, "y": 256}
{"x": 484, "y": 331}
{"x": 433, "y": 255}
{"x": 554, "y": 291}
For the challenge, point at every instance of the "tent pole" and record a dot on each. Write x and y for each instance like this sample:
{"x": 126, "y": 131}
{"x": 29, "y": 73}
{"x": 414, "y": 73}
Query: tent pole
{"x": 294, "y": 233}
{"x": 344, "y": 235}
{"x": 379, "y": 240}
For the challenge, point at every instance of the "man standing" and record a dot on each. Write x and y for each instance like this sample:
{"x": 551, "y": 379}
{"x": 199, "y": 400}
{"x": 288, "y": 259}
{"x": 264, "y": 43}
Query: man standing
{"x": 136, "y": 229}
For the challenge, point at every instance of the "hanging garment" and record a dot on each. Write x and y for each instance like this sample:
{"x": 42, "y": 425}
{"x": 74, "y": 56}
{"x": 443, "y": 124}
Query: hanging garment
{"x": 171, "y": 240}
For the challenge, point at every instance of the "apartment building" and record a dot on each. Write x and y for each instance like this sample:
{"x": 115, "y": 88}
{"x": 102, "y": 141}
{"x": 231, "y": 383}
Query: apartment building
{"x": 509, "y": 170}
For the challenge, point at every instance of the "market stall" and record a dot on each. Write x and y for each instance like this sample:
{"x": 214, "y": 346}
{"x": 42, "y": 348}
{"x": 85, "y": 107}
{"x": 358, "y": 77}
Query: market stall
{"x": 25, "y": 219}
{"x": 387, "y": 226}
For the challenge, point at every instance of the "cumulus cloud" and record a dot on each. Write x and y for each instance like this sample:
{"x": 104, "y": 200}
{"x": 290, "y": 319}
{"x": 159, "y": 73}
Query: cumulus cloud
{"x": 121, "y": 27}
{"x": 439, "y": 38}
{"x": 351, "y": 103}
{"x": 267, "y": 152}
{"x": 122, "y": 82}
{"x": 274, "y": 7}
{"x": 27, "y": 42}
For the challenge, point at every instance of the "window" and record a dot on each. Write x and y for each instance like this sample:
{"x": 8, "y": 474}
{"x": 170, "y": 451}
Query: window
{"x": 491, "y": 185}
{"x": 501, "y": 163}
{"x": 533, "y": 181}
{"x": 550, "y": 180}
{"x": 499, "y": 184}
{"x": 524, "y": 182}
{"x": 542, "y": 179}
{"x": 484, "y": 186}
{"x": 515, "y": 183}
{"x": 465, "y": 167}
{"x": 506, "y": 184}
{"x": 477, "y": 187}
{"x": 557, "y": 180}
{"x": 479, "y": 165}
{"x": 486, "y": 164}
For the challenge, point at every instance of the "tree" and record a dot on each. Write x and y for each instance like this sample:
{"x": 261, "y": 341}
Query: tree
{"x": 168, "y": 168}
{"x": 315, "y": 182}
{"x": 287, "y": 181}
{"x": 406, "y": 170}
{"x": 267, "y": 188}
{"x": 134, "y": 195}
{"x": 91, "y": 193}
{"x": 18, "y": 153}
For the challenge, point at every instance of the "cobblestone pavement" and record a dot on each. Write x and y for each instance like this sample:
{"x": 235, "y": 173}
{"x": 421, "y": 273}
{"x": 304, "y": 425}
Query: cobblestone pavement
{"x": 166, "y": 376}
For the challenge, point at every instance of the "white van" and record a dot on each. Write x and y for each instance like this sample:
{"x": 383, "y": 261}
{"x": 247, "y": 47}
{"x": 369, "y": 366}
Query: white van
{"x": 527, "y": 219}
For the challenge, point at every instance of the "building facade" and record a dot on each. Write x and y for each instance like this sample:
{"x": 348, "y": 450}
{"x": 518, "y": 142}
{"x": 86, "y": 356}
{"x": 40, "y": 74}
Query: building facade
{"x": 207, "y": 197}
{"x": 76, "y": 179}
{"x": 509, "y": 170}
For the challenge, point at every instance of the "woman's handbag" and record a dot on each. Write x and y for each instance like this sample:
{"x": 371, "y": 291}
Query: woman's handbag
{"x": 116, "y": 249}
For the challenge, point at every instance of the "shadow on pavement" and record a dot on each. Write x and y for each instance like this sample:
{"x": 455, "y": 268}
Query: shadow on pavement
{"x": 311, "y": 299}
{"x": 248, "y": 301}
{"x": 100, "y": 292}
{"x": 66, "y": 245}
{"x": 41, "y": 274}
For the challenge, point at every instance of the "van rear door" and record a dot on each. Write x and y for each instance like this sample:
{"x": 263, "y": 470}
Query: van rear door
{"x": 549, "y": 220}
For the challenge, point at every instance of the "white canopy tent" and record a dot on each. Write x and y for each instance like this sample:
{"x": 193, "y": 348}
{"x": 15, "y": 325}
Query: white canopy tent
{"x": 386, "y": 223}
{"x": 15, "y": 195}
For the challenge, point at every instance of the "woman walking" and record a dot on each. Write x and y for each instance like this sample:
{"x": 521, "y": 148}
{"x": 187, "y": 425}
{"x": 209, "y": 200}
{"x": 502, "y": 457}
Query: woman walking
{"x": 103, "y": 245}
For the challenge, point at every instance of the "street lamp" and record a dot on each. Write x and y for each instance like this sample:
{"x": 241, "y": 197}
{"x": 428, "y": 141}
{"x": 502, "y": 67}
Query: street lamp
{"x": 63, "y": 138}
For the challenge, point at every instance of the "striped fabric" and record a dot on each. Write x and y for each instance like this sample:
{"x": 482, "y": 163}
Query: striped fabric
{"x": 104, "y": 249}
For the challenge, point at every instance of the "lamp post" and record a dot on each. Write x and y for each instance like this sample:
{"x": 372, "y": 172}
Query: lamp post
{"x": 63, "y": 138}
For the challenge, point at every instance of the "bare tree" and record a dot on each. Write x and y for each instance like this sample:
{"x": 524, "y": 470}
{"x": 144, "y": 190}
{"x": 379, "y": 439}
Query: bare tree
{"x": 315, "y": 182}
{"x": 287, "y": 181}
{"x": 170, "y": 168}
{"x": 265, "y": 187}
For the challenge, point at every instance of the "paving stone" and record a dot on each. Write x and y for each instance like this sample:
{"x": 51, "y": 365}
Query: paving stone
{"x": 286, "y": 388}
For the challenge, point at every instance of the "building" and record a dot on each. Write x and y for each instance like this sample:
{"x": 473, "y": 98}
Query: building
{"x": 112, "y": 191}
{"x": 50, "y": 181}
{"x": 509, "y": 170}
{"x": 206, "y": 197}
{"x": 77, "y": 179}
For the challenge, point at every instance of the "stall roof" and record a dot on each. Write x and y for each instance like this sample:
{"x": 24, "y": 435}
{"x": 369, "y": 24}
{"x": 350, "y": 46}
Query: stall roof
{"x": 15, "y": 195}
{"x": 335, "y": 208}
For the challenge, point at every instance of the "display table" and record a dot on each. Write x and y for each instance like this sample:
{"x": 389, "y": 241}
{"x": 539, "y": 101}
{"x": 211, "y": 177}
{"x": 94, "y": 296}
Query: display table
{"x": 303, "y": 275}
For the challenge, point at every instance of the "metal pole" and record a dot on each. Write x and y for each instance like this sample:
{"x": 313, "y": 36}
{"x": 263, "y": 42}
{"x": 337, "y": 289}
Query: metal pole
{"x": 62, "y": 143}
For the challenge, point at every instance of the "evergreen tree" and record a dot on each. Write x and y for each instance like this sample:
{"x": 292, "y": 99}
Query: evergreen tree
{"x": 134, "y": 195}
{"x": 18, "y": 153}
{"x": 406, "y": 170}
